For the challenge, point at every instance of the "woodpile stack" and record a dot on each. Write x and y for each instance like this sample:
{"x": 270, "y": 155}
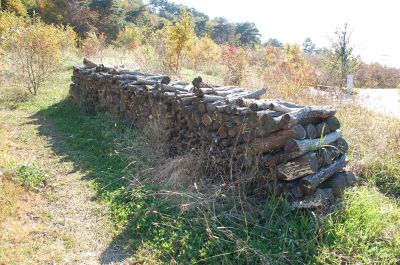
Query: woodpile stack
{"x": 303, "y": 144}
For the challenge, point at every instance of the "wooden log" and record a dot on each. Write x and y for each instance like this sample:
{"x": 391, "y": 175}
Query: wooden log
{"x": 309, "y": 183}
{"x": 341, "y": 145}
{"x": 322, "y": 129}
{"x": 279, "y": 157}
{"x": 311, "y": 132}
{"x": 244, "y": 102}
{"x": 89, "y": 63}
{"x": 212, "y": 98}
{"x": 321, "y": 199}
{"x": 267, "y": 144}
{"x": 228, "y": 92}
{"x": 299, "y": 167}
{"x": 324, "y": 157}
{"x": 261, "y": 105}
{"x": 333, "y": 123}
{"x": 300, "y": 132}
{"x": 306, "y": 114}
{"x": 339, "y": 182}
{"x": 280, "y": 106}
{"x": 311, "y": 145}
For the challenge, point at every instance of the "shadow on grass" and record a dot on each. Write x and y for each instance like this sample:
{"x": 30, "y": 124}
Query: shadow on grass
{"x": 95, "y": 144}
{"x": 152, "y": 229}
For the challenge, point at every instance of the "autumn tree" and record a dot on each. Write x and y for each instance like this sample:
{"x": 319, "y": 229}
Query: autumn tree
{"x": 15, "y": 6}
{"x": 75, "y": 13}
{"x": 180, "y": 37}
{"x": 204, "y": 51}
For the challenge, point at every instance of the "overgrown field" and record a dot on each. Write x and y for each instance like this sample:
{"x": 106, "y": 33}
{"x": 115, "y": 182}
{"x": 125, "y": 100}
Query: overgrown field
{"x": 164, "y": 223}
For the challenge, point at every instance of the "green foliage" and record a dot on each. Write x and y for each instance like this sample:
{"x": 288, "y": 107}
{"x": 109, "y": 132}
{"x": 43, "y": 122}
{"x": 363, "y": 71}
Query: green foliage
{"x": 30, "y": 175}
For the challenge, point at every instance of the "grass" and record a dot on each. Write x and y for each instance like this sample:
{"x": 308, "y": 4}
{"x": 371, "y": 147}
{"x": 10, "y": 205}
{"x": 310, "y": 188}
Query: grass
{"x": 245, "y": 231}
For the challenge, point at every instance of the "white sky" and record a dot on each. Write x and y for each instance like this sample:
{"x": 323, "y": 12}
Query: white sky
{"x": 375, "y": 24}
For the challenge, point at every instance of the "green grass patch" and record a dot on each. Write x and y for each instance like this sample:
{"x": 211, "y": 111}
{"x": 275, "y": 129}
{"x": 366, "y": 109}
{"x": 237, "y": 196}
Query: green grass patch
{"x": 30, "y": 176}
{"x": 364, "y": 232}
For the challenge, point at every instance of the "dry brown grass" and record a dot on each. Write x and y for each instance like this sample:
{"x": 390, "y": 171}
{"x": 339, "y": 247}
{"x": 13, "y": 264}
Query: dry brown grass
{"x": 11, "y": 198}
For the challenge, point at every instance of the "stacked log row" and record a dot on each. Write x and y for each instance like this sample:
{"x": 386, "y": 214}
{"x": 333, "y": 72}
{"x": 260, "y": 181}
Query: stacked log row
{"x": 303, "y": 144}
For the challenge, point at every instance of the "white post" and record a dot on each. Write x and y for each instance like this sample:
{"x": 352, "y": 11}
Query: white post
{"x": 349, "y": 84}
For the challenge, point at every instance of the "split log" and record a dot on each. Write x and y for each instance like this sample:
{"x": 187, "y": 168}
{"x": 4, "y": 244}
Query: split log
{"x": 311, "y": 145}
{"x": 299, "y": 167}
{"x": 309, "y": 183}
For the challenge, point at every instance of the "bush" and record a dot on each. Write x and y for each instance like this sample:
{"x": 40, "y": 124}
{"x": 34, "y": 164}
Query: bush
{"x": 33, "y": 50}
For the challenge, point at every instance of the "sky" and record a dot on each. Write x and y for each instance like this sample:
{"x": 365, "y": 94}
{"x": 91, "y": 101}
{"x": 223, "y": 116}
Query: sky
{"x": 375, "y": 24}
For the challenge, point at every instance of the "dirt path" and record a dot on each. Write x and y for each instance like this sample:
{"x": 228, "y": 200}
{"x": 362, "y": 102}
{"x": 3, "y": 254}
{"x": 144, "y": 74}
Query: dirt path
{"x": 62, "y": 223}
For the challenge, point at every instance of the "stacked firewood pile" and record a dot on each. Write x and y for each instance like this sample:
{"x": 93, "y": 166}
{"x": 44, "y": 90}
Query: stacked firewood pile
{"x": 302, "y": 144}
